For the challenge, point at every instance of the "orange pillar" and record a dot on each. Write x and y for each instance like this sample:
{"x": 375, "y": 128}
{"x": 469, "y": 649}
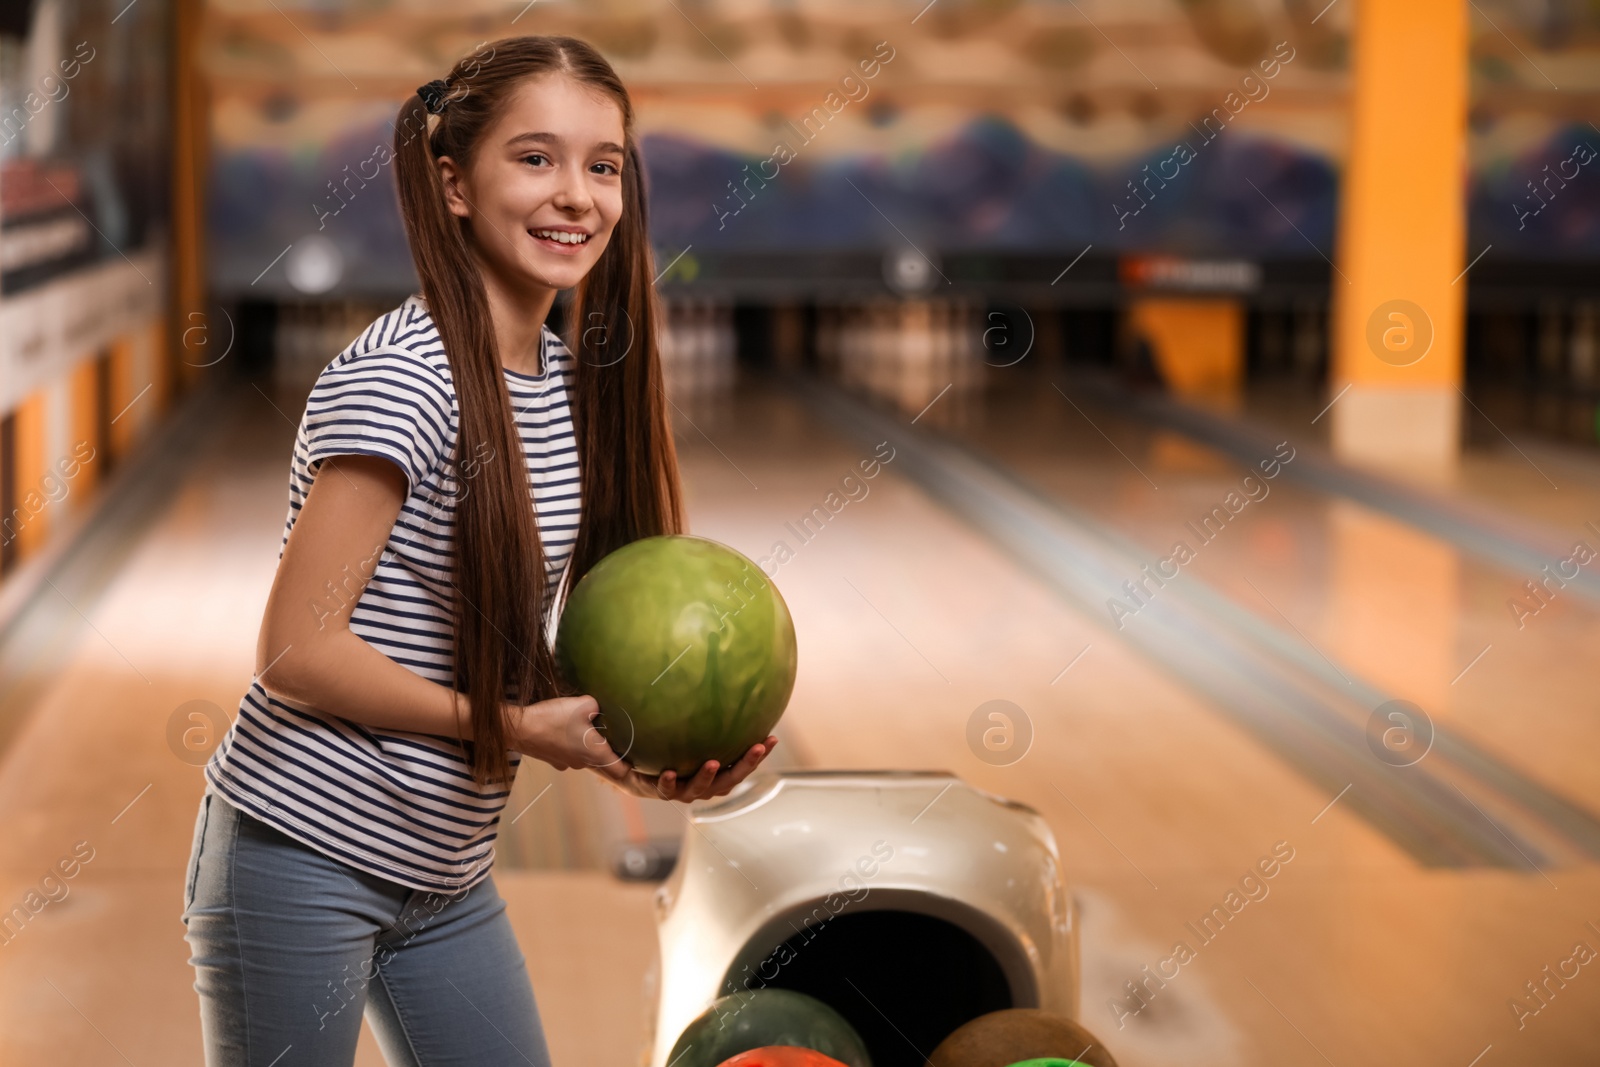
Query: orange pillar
{"x": 190, "y": 145}
{"x": 29, "y": 520}
{"x": 85, "y": 426}
{"x": 1398, "y": 303}
{"x": 125, "y": 428}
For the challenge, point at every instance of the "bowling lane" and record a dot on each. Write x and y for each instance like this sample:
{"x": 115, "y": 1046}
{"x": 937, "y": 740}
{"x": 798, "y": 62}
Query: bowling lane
{"x": 908, "y": 620}
{"x": 1505, "y": 466}
{"x": 901, "y": 609}
{"x": 1405, "y": 610}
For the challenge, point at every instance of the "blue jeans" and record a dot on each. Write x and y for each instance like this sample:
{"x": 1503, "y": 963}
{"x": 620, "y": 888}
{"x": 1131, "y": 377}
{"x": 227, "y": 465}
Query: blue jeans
{"x": 290, "y": 948}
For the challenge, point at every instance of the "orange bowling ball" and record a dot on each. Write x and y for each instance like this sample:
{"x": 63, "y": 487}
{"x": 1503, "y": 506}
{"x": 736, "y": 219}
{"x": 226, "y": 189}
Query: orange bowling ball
{"x": 781, "y": 1056}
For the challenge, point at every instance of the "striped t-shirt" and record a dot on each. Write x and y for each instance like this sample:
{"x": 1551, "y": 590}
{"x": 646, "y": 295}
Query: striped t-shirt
{"x": 403, "y": 806}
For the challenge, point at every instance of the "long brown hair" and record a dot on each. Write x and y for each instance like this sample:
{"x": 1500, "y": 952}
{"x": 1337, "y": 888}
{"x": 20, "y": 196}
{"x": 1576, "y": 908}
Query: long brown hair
{"x": 629, "y": 471}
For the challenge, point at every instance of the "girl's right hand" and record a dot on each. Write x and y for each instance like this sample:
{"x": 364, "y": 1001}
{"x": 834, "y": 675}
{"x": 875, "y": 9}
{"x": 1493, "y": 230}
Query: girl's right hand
{"x": 561, "y": 732}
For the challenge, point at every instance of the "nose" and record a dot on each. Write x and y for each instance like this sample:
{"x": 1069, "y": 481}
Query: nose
{"x": 572, "y": 192}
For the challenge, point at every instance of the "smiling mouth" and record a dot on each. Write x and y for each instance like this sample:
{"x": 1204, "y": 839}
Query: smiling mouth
{"x": 561, "y": 237}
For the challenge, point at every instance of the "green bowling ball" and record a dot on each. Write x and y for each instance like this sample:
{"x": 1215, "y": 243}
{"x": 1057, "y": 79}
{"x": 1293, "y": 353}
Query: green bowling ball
{"x": 762, "y": 1018}
{"x": 686, "y": 645}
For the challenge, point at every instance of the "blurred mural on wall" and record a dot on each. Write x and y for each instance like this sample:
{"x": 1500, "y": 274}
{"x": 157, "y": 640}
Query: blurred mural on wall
{"x": 1207, "y": 127}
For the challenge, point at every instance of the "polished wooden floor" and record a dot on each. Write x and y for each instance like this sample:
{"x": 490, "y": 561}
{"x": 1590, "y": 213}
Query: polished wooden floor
{"x": 908, "y": 619}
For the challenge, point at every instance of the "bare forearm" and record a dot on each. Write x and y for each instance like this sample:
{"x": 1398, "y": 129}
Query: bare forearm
{"x": 339, "y": 673}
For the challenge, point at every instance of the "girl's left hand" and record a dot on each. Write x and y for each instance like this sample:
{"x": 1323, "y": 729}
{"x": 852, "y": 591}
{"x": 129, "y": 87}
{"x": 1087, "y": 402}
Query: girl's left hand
{"x": 710, "y": 781}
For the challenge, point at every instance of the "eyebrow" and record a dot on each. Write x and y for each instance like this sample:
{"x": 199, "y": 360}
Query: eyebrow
{"x": 550, "y": 138}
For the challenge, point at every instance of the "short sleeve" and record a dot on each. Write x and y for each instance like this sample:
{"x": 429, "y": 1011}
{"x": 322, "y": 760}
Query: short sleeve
{"x": 387, "y": 403}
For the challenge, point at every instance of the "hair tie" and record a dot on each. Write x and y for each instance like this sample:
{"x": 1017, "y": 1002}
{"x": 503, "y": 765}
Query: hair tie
{"x": 433, "y": 96}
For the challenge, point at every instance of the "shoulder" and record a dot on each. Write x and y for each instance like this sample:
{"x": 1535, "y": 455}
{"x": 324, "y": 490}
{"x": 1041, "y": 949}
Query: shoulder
{"x": 392, "y": 381}
{"x": 400, "y": 348}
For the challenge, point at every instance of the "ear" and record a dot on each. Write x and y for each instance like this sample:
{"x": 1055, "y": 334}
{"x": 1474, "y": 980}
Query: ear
{"x": 452, "y": 179}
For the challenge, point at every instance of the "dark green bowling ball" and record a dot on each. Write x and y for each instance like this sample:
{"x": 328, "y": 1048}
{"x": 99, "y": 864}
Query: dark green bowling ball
{"x": 761, "y": 1018}
{"x": 686, "y": 645}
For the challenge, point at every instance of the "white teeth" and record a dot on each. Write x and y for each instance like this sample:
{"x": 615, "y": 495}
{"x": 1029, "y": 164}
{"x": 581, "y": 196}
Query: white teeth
{"x": 562, "y": 236}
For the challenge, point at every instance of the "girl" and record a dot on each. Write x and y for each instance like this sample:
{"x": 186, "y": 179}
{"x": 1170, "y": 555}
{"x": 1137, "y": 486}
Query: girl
{"x": 457, "y": 470}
